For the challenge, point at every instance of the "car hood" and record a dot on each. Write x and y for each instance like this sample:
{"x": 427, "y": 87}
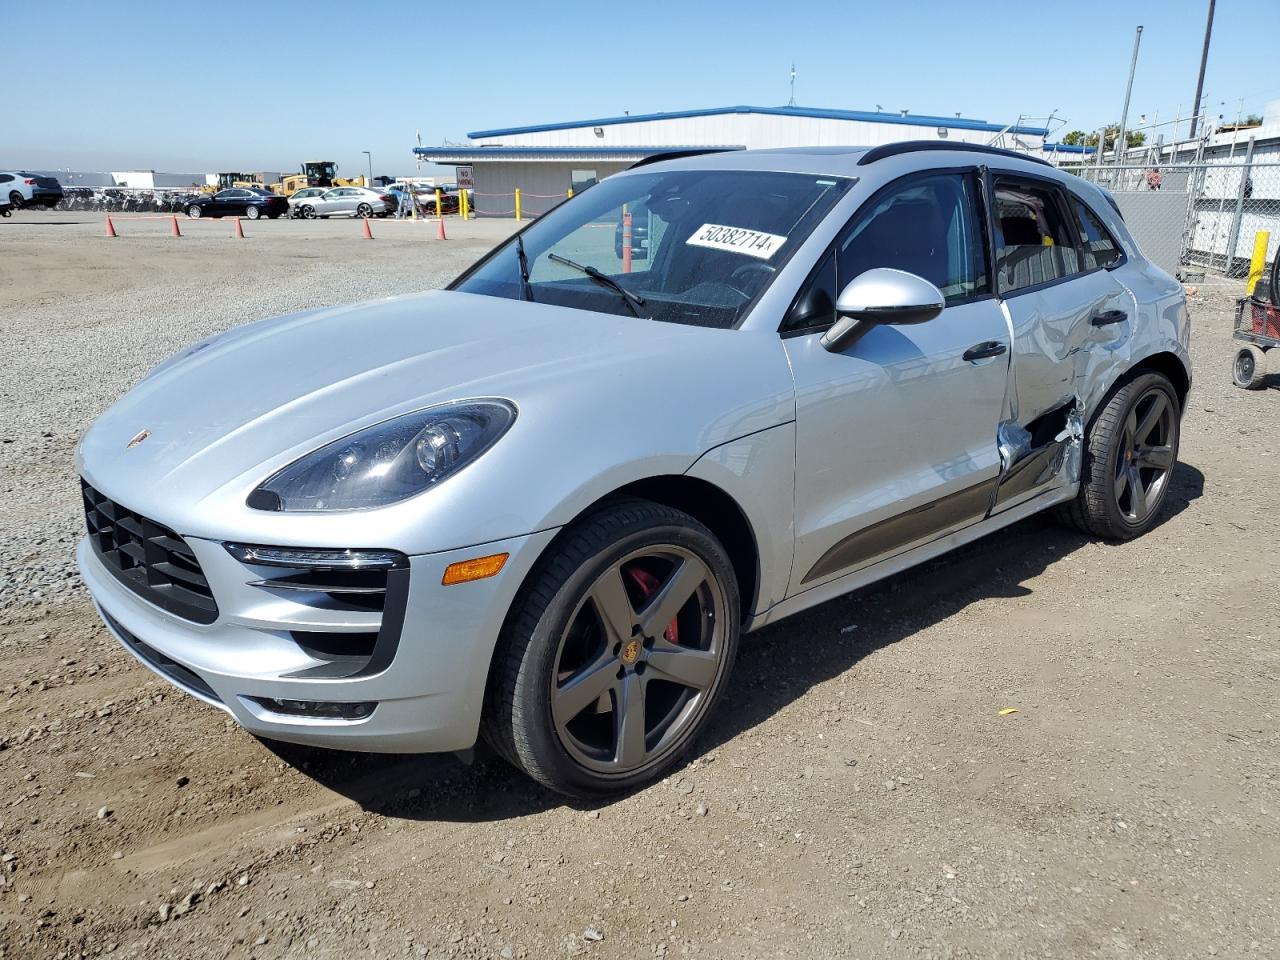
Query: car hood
{"x": 253, "y": 400}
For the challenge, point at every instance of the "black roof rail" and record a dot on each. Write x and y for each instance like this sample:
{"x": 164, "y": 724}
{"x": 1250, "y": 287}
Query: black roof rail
{"x": 679, "y": 155}
{"x": 918, "y": 146}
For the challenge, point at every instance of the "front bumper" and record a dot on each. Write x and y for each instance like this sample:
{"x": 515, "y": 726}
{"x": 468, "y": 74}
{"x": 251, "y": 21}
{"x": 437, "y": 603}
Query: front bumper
{"x": 428, "y": 698}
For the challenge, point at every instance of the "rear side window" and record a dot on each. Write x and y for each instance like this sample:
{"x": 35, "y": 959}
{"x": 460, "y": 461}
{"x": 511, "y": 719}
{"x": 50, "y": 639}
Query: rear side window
{"x": 1034, "y": 240}
{"x": 1097, "y": 247}
{"x": 6, "y": 178}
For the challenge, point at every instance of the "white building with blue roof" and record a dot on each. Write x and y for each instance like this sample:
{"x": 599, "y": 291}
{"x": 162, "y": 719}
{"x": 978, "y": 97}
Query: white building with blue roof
{"x": 546, "y": 160}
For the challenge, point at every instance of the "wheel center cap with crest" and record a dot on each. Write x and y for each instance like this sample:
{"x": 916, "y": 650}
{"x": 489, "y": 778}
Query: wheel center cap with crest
{"x": 630, "y": 652}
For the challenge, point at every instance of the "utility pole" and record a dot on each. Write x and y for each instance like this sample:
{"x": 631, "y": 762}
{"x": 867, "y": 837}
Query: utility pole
{"x": 1121, "y": 144}
{"x": 1204, "y": 59}
{"x": 792, "y": 101}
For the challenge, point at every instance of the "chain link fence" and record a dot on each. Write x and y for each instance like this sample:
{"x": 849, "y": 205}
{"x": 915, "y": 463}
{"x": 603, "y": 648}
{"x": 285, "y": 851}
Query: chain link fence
{"x": 1193, "y": 218}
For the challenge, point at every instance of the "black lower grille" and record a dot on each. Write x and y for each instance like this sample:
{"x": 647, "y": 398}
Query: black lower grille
{"x": 151, "y": 560}
{"x": 187, "y": 679}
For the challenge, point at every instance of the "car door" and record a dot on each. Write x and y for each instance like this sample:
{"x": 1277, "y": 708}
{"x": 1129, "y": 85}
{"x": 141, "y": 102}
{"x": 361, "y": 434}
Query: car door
{"x": 896, "y": 432}
{"x": 1063, "y": 303}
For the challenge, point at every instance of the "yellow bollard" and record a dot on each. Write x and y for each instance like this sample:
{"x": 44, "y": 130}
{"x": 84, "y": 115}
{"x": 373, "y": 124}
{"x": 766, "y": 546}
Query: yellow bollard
{"x": 1258, "y": 263}
{"x": 462, "y": 204}
{"x": 569, "y": 194}
{"x": 517, "y": 204}
{"x": 438, "y": 213}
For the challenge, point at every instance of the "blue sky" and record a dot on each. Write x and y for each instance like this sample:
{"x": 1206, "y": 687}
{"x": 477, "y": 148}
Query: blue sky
{"x": 175, "y": 86}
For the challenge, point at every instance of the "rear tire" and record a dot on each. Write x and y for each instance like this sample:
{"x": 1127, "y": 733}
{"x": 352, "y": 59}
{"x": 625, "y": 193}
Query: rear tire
{"x": 364, "y": 210}
{"x": 1131, "y": 450}
{"x": 252, "y": 213}
{"x": 1249, "y": 368}
{"x": 16, "y": 199}
{"x": 588, "y": 656}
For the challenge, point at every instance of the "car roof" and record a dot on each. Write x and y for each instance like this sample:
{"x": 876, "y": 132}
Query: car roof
{"x": 852, "y": 161}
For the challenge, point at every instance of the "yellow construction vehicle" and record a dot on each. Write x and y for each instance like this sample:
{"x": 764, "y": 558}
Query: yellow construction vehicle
{"x": 315, "y": 173}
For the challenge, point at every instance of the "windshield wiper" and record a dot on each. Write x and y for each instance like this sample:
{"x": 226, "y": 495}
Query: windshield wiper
{"x": 526, "y": 289}
{"x": 632, "y": 300}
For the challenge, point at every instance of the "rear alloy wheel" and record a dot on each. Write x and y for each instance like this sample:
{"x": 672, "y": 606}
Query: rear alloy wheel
{"x": 194, "y": 211}
{"x": 1249, "y": 369}
{"x": 253, "y": 213}
{"x": 1130, "y": 455}
{"x": 364, "y": 210}
{"x": 615, "y": 652}
{"x": 16, "y": 199}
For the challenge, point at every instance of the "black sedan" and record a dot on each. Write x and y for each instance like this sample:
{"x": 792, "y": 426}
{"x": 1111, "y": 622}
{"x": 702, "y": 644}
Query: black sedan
{"x": 251, "y": 202}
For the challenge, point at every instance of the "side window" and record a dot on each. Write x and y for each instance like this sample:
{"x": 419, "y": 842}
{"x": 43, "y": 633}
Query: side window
{"x": 1098, "y": 249}
{"x": 928, "y": 226}
{"x": 1034, "y": 241}
{"x": 6, "y": 177}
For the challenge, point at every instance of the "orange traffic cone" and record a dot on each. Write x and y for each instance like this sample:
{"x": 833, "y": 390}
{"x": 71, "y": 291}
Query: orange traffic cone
{"x": 175, "y": 231}
{"x": 111, "y": 229}
{"x": 368, "y": 234}
{"x": 239, "y": 230}
{"x": 440, "y": 231}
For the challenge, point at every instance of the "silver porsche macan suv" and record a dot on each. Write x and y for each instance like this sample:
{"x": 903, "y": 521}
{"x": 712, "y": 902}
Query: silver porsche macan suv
{"x": 542, "y": 505}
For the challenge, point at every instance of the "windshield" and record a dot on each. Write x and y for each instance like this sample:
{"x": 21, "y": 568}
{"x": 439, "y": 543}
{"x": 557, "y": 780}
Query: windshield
{"x": 684, "y": 246}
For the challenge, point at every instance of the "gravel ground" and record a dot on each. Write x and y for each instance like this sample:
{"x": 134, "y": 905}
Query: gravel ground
{"x": 859, "y": 793}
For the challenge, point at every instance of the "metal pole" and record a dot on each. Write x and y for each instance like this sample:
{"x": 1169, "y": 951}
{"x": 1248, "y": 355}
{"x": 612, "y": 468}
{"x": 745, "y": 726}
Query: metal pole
{"x": 1204, "y": 59}
{"x": 1121, "y": 145}
{"x": 369, "y": 182}
{"x": 1234, "y": 236}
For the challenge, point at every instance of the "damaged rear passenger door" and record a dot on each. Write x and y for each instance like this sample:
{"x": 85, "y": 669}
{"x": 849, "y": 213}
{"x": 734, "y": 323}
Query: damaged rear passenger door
{"x": 1063, "y": 303}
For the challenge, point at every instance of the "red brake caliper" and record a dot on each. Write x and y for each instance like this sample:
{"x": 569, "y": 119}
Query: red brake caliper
{"x": 648, "y": 584}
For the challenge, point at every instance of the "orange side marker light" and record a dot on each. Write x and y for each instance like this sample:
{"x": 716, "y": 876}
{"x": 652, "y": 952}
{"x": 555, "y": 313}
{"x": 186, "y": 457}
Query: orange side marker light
{"x": 464, "y": 571}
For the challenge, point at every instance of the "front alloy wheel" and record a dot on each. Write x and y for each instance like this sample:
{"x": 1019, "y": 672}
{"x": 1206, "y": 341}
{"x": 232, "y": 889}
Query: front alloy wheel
{"x": 616, "y": 651}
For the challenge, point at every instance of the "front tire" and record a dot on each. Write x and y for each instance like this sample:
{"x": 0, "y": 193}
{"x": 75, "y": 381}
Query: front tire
{"x": 615, "y": 651}
{"x": 1249, "y": 367}
{"x": 194, "y": 211}
{"x": 1130, "y": 454}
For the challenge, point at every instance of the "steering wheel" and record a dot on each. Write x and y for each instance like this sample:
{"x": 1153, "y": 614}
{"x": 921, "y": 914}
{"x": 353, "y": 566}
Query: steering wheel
{"x": 744, "y": 270}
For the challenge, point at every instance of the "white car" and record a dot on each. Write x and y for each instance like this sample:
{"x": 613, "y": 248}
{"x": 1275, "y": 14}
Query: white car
{"x": 346, "y": 201}
{"x": 24, "y": 189}
{"x": 301, "y": 197}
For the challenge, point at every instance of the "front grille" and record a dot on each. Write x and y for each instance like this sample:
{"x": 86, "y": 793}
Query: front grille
{"x": 151, "y": 560}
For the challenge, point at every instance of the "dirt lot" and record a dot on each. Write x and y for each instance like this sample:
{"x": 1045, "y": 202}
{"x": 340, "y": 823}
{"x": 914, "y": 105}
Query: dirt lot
{"x": 859, "y": 794}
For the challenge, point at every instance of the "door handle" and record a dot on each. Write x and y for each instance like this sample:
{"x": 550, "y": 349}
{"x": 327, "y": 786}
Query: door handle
{"x": 981, "y": 351}
{"x": 1107, "y": 317}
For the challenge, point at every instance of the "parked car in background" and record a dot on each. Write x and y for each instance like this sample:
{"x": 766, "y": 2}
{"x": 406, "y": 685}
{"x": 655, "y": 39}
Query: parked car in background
{"x": 301, "y": 197}
{"x": 251, "y": 202}
{"x": 24, "y": 189}
{"x": 542, "y": 505}
{"x": 348, "y": 202}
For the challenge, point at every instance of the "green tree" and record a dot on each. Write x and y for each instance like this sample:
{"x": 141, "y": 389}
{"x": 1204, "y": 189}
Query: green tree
{"x": 1252, "y": 120}
{"x": 1134, "y": 138}
{"x": 1075, "y": 138}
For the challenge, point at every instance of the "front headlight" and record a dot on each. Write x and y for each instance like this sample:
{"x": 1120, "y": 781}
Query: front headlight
{"x": 388, "y": 461}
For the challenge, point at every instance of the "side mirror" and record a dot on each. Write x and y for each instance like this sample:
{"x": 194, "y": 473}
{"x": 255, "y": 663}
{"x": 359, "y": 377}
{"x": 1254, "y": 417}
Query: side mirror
{"x": 882, "y": 295}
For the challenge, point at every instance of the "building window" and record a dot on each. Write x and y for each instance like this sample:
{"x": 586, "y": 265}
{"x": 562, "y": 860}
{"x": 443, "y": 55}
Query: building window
{"x": 581, "y": 179}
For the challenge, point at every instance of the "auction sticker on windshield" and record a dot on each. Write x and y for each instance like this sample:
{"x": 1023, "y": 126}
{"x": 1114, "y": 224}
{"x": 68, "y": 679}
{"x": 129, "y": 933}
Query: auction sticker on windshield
{"x": 737, "y": 240}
